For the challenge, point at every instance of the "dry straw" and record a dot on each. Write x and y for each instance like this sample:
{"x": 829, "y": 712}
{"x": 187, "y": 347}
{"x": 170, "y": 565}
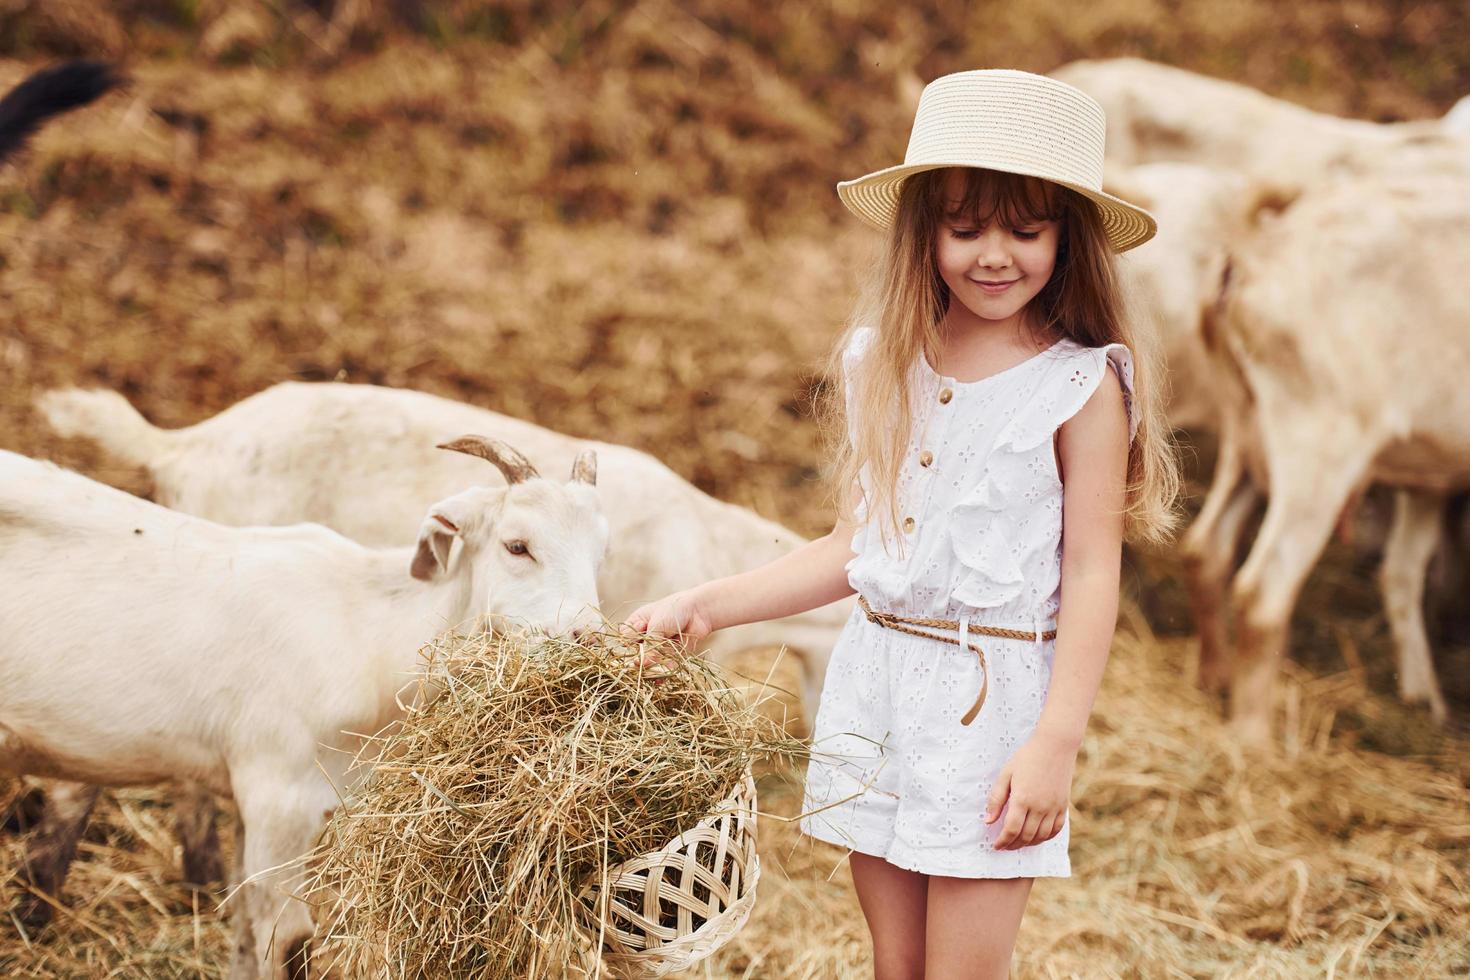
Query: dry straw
{"x": 528, "y": 770}
{"x": 1190, "y": 857}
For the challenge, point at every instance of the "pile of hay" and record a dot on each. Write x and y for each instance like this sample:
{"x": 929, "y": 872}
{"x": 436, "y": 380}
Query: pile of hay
{"x": 527, "y": 769}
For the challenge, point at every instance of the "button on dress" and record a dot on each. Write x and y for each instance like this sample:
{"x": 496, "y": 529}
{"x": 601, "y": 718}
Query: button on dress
{"x": 893, "y": 772}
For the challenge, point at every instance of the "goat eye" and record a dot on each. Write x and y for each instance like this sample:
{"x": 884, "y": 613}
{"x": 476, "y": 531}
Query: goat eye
{"x": 517, "y": 547}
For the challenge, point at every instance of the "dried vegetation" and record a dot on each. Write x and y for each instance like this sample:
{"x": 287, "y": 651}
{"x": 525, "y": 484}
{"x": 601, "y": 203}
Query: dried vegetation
{"x": 525, "y": 772}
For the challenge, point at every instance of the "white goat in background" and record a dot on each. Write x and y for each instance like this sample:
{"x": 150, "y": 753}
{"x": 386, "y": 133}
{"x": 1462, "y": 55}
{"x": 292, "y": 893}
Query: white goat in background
{"x": 1344, "y": 329}
{"x": 260, "y": 462}
{"x": 1277, "y": 149}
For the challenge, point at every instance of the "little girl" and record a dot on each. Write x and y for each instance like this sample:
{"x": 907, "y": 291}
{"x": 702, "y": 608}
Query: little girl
{"x": 994, "y": 396}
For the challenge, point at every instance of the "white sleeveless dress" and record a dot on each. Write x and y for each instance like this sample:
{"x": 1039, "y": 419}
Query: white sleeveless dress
{"x": 893, "y": 772}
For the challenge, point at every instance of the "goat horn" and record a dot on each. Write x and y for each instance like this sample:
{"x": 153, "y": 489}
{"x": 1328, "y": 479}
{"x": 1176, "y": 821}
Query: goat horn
{"x": 584, "y": 467}
{"x": 517, "y": 468}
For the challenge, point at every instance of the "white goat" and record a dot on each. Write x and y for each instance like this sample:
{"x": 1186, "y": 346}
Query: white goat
{"x": 1158, "y": 113}
{"x": 1244, "y": 467}
{"x": 258, "y": 462}
{"x": 138, "y": 644}
{"x": 1343, "y": 329}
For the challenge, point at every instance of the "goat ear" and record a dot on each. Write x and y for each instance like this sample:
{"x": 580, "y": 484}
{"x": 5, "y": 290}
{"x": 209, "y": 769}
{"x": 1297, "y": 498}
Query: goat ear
{"x": 584, "y": 467}
{"x": 441, "y": 526}
{"x": 431, "y": 558}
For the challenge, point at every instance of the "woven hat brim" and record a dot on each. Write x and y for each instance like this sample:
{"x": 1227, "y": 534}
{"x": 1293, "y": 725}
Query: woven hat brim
{"x": 874, "y": 198}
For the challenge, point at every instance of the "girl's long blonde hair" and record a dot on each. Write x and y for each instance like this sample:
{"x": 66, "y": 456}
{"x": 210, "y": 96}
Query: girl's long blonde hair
{"x": 906, "y": 303}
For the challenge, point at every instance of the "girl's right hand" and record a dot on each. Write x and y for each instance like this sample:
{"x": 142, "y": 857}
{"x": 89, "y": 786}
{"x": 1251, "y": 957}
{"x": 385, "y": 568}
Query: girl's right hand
{"x": 678, "y": 616}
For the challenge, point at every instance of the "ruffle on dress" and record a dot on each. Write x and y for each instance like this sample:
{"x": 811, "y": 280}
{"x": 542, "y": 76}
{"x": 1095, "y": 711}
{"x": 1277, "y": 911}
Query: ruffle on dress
{"x": 993, "y": 529}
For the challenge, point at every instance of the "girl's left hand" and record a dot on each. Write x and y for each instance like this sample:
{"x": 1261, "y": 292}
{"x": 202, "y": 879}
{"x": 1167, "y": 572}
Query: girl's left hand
{"x": 1038, "y": 782}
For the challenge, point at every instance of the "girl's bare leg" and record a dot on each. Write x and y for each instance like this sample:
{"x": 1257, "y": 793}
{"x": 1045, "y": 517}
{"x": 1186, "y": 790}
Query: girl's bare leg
{"x": 894, "y": 903}
{"x": 972, "y": 925}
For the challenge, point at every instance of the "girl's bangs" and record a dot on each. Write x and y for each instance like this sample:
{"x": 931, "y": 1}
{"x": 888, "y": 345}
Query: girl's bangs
{"x": 1016, "y": 200}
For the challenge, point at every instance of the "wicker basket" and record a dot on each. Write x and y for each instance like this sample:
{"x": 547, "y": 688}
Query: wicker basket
{"x": 672, "y": 907}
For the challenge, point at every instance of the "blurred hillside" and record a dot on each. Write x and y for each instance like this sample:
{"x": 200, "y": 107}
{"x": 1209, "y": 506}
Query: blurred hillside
{"x": 631, "y": 201}
{"x": 756, "y": 101}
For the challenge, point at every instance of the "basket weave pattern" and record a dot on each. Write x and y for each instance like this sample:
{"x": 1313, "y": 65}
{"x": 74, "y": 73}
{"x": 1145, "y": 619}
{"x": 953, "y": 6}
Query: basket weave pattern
{"x": 670, "y": 908}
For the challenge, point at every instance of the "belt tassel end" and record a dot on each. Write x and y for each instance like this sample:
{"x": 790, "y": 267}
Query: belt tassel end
{"x": 980, "y": 701}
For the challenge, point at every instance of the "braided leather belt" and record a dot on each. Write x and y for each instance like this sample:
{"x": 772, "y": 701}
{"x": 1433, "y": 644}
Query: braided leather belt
{"x": 916, "y": 626}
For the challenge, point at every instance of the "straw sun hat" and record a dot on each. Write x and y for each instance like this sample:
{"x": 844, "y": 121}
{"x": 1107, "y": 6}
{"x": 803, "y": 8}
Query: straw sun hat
{"x": 1005, "y": 120}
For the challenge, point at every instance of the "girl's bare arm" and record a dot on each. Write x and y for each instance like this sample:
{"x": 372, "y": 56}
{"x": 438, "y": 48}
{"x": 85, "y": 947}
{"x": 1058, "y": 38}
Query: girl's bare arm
{"x": 811, "y": 576}
{"x": 1093, "y": 446}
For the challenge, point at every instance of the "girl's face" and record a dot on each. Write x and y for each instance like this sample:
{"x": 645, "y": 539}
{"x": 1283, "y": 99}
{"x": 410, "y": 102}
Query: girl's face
{"x": 991, "y": 267}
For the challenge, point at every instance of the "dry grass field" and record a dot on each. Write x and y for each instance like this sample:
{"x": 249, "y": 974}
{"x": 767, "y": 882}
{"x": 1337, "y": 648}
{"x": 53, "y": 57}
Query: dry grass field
{"x": 617, "y": 220}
